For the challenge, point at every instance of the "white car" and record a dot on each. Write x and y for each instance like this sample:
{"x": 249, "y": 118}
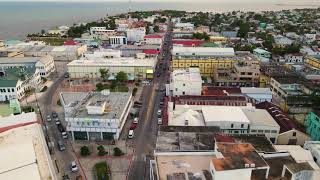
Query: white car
{"x": 159, "y": 112}
{"x": 159, "y": 121}
{"x": 48, "y": 118}
{"x": 57, "y": 121}
{"x": 131, "y": 134}
{"x": 74, "y": 167}
{"x": 64, "y": 135}
{"x": 135, "y": 120}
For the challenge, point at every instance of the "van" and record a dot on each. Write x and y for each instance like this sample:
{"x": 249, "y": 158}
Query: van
{"x": 61, "y": 146}
{"x": 130, "y": 135}
{"x": 135, "y": 120}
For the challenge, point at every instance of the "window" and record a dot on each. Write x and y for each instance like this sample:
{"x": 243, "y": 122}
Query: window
{"x": 236, "y": 132}
{"x": 253, "y": 131}
{"x": 231, "y": 125}
{"x": 260, "y": 131}
{"x": 8, "y": 90}
{"x": 294, "y": 134}
{"x": 184, "y": 84}
{"x": 242, "y": 125}
{"x": 267, "y": 131}
{"x": 183, "y": 93}
{"x": 12, "y": 89}
{"x": 274, "y": 131}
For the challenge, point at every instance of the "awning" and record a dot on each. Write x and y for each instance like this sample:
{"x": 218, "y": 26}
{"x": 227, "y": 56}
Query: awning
{"x": 149, "y": 71}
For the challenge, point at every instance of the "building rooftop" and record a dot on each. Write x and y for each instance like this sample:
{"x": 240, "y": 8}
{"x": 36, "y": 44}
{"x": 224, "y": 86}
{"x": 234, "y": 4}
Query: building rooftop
{"x": 259, "y": 142}
{"x": 110, "y": 106}
{"x": 202, "y": 51}
{"x": 189, "y": 141}
{"x": 139, "y": 47}
{"x": 212, "y": 100}
{"x": 236, "y": 156}
{"x": 276, "y": 165}
{"x": 128, "y": 62}
{"x": 253, "y": 90}
{"x": 15, "y": 60}
{"x": 184, "y": 167}
{"x": 12, "y": 75}
{"x": 23, "y": 150}
{"x": 285, "y": 123}
{"x": 224, "y": 114}
{"x": 220, "y": 91}
{"x": 188, "y": 42}
{"x": 260, "y": 117}
{"x": 190, "y": 74}
{"x": 297, "y": 167}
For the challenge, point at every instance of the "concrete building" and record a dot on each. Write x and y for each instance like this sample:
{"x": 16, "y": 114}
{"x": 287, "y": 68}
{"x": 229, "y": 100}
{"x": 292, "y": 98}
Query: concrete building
{"x": 312, "y": 62}
{"x": 96, "y": 115}
{"x": 293, "y": 58}
{"x": 133, "y": 50}
{"x": 101, "y": 33}
{"x": 185, "y": 82}
{"x": 312, "y": 124}
{"x": 102, "y": 53}
{"x": 314, "y": 148}
{"x": 290, "y": 132}
{"x": 262, "y": 54}
{"x": 23, "y": 150}
{"x": 135, "y": 68}
{"x": 153, "y": 39}
{"x": 258, "y": 94}
{"x": 122, "y": 27}
{"x": 115, "y": 41}
{"x": 45, "y": 65}
{"x": 184, "y": 26}
{"x": 136, "y": 34}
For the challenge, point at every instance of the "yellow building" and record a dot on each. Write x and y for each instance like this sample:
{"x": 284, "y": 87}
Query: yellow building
{"x": 313, "y": 62}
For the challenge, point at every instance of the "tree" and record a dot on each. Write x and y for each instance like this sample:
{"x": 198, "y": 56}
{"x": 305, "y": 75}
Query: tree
{"x": 84, "y": 151}
{"x": 43, "y": 31}
{"x": 156, "y": 28}
{"x": 204, "y": 36}
{"x": 104, "y": 74}
{"x": 101, "y": 150}
{"x": 122, "y": 76}
{"x": 117, "y": 152}
{"x": 243, "y": 30}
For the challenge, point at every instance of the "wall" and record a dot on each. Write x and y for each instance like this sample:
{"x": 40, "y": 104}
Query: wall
{"x": 238, "y": 174}
{"x": 283, "y": 138}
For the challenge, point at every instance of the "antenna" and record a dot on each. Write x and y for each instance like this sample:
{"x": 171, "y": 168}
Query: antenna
{"x": 130, "y": 7}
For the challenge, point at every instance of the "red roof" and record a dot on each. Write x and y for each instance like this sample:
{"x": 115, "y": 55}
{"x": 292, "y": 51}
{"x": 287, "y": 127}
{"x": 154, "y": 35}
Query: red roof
{"x": 150, "y": 51}
{"x": 220, "y": 91}
{"x": 70, "y": 42}
{"x": 188, "y": 42}
{"x": 157, "y": 36}
{"x": 224, "y": 138}
{"x": 3, "y": 129}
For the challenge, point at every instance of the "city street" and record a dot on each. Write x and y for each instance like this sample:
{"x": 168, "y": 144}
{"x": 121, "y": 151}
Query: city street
{"x": 146, "y": 133}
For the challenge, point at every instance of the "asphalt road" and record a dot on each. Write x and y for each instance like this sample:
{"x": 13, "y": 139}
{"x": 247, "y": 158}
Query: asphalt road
{"x": 146, "y": 133}
{"x": 47, "y": 104}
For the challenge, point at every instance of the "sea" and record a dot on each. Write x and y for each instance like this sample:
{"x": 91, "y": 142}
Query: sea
{"x": 20, "y": 18}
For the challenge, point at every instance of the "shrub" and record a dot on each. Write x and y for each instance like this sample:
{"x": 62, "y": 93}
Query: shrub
{"x": 27, "y": 109}
{"x": 101, "y": 171}
{"x": 84, "y": 151}
{"x": 117, "y": 152}
{"x": 101, "y": 150}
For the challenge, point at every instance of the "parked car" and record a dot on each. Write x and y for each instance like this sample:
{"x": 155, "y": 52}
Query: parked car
{"x": 48, "y": 118}
{"x": 57, "y": 121}
{"x": 60, "y": 127}
{"x": 137, "y": 104}
{"x": 61, "y": 146}
{"x": 54, "y": 114}
{"x": 74, "y": 167}
{"x": 66, "y": 75}
{"x": 65, "y": 177}
{"x": 133, "y": 126}
{"x": 130, "y": 134}
{"x": 159, "y": 112}
{"x": 135, "y": 120}
{"x": 159, "y": 121}
{"x": 64, "y": 135}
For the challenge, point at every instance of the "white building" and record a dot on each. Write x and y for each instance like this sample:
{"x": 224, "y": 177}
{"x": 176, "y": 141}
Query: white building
{"x": 185, "y": 82}
{"x": 314, "y": 148}
{"x": 23, "y": 150}
{"x": 153, "y": 39}
{"x": 102, "y": 53}
{"x": 115, "y": 41}
{"x": 135, "y": 68}
{"x": 122, "y": 27}
{"x": 258, "y": 94}
{"x": 262, "y": 54}
{"x": 136, "y": 34}
{"x": 185, "y": 26}
{"x": 293, "y": 58}
{"x": 202, "y": 51}
{"x": 101, "y": 33}
{"x": 46, "y": 66}
{"x": 96, "y": 115}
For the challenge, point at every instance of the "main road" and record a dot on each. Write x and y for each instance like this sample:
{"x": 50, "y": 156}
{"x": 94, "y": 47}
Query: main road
{"x": 146, "y": 133}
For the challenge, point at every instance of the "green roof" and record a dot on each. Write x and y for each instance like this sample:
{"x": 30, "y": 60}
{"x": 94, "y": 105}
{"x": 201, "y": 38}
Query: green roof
{"x": 210, "y": 44}
{"x": 5, "y": 110}
{"x": 12, "y": 75}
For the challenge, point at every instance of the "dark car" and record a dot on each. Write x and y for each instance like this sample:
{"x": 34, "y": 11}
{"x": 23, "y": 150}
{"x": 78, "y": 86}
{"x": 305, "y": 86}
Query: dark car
{"x": 61, "y": 146}
{"x": 54, "y": 114}
{"x": 133, "y": 126}
{"x": 60, "y": 127}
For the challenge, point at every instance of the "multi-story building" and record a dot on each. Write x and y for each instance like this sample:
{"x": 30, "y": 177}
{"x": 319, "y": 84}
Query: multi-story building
{"x": 153, "y": 39}
{"x": 102, "y": 53}
{"x": 96, "y": 115}
{"x": 312, "y": 124}
{"x": 293, "y": 58}
{"x": 23, "y": 148}
{"x": 122, "y": 27}
{"x": 262, "y": 54}
{"x": 209, "y": 60}
{"x": 314, "y": 148}
{"x": 115, "y": 41}
{"x": 136, "y": 34}
{"x": 185, "y": 82}
{"x": 313, "y": 62}
{"x": 258, "y": 94}
{"x": 132, "y": 50}
{"x": 184, "y": 26}
{"x": 101, "y": 33}
{"x": 134, "y": 67}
